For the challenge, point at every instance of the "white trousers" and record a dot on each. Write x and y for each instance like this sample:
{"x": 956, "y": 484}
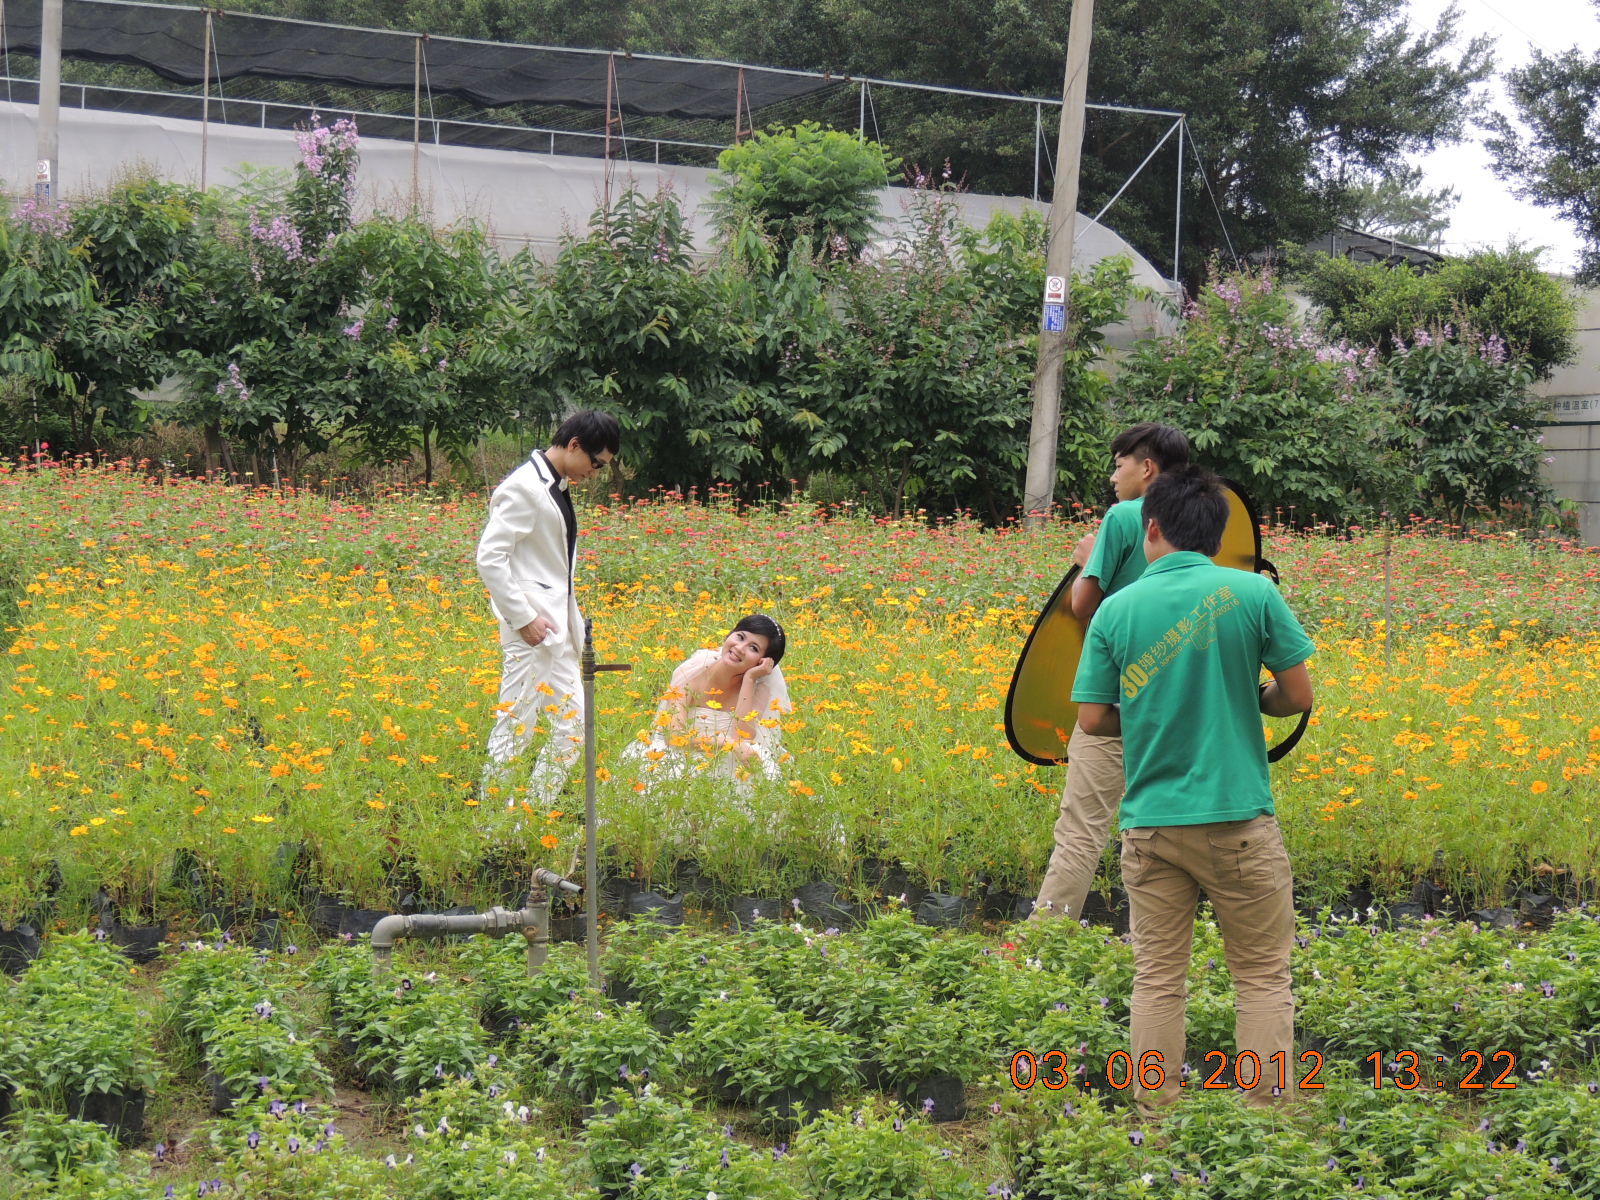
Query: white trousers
{"x": 540, "y": 688}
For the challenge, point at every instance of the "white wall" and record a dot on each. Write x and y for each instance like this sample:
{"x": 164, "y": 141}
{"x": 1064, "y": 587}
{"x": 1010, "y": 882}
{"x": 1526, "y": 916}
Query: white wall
{"x": 1572, "y": 439}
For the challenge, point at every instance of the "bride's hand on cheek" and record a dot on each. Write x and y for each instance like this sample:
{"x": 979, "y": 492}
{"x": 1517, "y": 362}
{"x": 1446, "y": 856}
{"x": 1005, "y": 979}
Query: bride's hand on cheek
{"x": 761, "y": 670}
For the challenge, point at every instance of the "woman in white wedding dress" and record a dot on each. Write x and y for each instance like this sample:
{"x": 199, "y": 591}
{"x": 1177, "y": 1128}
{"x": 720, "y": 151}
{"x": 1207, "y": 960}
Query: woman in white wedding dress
{"x": 721, "y": 716}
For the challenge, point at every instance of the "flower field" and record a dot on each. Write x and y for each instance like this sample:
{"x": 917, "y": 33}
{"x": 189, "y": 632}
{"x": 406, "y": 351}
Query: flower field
{"x": 199, "y": 676}
{"x": 230, "y": 704}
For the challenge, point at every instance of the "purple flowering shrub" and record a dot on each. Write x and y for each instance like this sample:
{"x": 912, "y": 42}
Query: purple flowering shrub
{"x": 1306, "y": 426}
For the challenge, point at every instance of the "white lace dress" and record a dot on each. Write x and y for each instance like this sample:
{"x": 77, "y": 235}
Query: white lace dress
{"x": 704, "y": 745}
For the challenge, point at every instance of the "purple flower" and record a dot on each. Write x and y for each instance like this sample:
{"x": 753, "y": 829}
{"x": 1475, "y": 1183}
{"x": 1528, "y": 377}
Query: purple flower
{"x": 724, "y": 1157}
{"x": 622, "y": 1071}
{"x": 1136, "y": 1137}
{"x": 294, "y": 1144}
{"x": 899, "y": 1125}
{"x": 927, "y": 1104}
{"x": 277, "y": 1108}
{"x": 635, "y": 1170}
{"x": 1548, "y": 988}
{"x": 494, "y": 1060}
{"x": 995, "y": 1108}
{"x": 254, "y": 1139}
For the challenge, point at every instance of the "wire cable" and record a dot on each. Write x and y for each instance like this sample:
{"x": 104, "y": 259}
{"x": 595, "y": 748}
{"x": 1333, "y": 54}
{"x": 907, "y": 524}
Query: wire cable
{"x": 1199, "y": 162}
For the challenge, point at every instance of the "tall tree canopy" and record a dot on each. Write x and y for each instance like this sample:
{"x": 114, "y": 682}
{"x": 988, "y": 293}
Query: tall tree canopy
{"x": 1555, "y": 160}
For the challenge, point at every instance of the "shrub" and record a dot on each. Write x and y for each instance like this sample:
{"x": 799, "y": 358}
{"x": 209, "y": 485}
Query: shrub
{"x": 877, "y": 1154}
{"x": 804, "y": 181}
{"x": 1472, "y": 423}
{"x": 1502, "y": 293}
{"x": 1305, "y": 427}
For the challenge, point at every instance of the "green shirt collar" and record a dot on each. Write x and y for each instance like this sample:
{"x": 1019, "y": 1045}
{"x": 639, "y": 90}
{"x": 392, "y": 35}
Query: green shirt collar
{"x": 1177, "y": 561}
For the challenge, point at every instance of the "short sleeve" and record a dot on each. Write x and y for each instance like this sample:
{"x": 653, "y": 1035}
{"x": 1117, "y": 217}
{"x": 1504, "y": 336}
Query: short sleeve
{"x": 1284, "y": 642}
{"x": 1112, "y": 546}
{"x": 1098, "y": 680}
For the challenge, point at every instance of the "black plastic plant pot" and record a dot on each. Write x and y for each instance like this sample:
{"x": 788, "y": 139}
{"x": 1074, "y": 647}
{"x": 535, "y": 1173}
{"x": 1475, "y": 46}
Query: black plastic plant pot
{"x": 1405, "y": 911}
{"x": 267, "y": 934}
{"x": 18, "y": 947}
{"x": 120, "y": 1112}
{"x": 948, "y": 1093}
{"x": 8, "y": 1095}
{"x": 1494, "y": 918}
{"x": 571, "y": 928}
{"x": 791, "y": 1108}
{"x": 615, "y": 892}
{"x": 327, "y": 915}
{"x": 666, "y": 909}
{"x": 141, "y": 943}
{"x": 1097, "y": 910}
{"x": 222, "y": 1097}
{"x": 943, "y": 911}
{"x": 745, "y": 911}
{"x": 1000, "y": 906}
{"x": 356, "y": 922}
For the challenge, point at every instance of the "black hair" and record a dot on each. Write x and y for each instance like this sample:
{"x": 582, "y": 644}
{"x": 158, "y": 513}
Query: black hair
{"x": 764, "y": 626}
{"x": 1188, "y": 504}
{"x": 596, "y": 432}
{"x": 1165, "y": 446}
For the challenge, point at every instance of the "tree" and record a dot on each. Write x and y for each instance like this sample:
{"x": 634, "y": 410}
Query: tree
{"x": 1555, "y": 160}
{"x": 1285, "y": 99}
{"x": 1396, "y": 203}
{"x": 804, "y": 182}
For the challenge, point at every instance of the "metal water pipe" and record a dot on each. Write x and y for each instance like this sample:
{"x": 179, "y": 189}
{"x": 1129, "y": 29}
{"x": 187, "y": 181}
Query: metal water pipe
{"x": 532, "y": 920}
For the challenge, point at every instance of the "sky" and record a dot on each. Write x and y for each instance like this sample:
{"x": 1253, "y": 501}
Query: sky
{"x": 1488, "y": 214}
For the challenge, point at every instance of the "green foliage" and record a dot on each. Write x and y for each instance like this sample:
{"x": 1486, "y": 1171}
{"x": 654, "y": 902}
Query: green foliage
{"x": 1500, "y": 293}
{"x": 47, "y": 1145}
{"x": 623, "y": 320}
{"x": 1395, "y": 202}
{"x": 804, "y": 182}
{"x": 1472, "y": 421}
{"x": 658, "y": 1147}
{"x": 592, "y": 1049}
{"x": 1550, "y": 152}
{"x": 80, "y": 298}
{"x": 1306, "y": 428}
{"x": 925, "y": 389}
{"x": 877, "y": 1154}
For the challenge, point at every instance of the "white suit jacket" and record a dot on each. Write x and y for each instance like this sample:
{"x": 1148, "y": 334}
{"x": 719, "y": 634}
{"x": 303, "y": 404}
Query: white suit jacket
{"x": 522, "y": 554}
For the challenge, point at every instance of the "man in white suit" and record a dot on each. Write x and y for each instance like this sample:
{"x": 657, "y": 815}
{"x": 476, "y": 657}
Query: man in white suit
{"x": 525, "y": 559}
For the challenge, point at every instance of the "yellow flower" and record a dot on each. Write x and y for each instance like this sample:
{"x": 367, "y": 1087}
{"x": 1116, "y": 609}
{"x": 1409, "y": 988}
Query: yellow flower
{"x": 78, "y": 830}
{"x": 97, "y": 820}
{"x": 1539, "y": 787}
{"x": 549, "y": 841}
{"x": 377, "y": 804}
{"x": 262, "y": 819}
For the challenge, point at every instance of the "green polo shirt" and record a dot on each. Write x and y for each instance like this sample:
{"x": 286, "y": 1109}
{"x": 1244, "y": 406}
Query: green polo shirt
{"x": 1181, "y": 651}
{"x": 1118, "y": 555}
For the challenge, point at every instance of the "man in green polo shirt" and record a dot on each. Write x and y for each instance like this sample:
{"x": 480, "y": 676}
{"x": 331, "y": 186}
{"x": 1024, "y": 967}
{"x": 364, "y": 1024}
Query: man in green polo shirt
{"x": 1172, "y": 664}
{"x": 1110, "y": 559}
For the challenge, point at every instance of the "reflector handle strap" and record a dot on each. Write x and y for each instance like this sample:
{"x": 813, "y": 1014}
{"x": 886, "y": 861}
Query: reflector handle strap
{"x": 1281, "y": 750}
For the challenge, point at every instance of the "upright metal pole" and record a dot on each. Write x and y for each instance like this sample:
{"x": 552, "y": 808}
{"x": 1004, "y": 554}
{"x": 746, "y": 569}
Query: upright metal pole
{"x": 205, "y": 104}
{"x": 861, "y": 121}
{"x": 1177, "y": 223}
{"x": 45, "y": 179}
{"x": 591, "y": 854}
{"x": 1039, "y": 486}
{"x": 611, "y": 92}
{"x": 416, "y": 122}
{"x": 1038, "y": 139}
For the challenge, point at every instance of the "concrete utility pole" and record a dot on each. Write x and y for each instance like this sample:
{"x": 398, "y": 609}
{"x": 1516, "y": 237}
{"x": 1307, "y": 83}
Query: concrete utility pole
{"x": 45, "y": 187}
{"x": 1039, "y": 486}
